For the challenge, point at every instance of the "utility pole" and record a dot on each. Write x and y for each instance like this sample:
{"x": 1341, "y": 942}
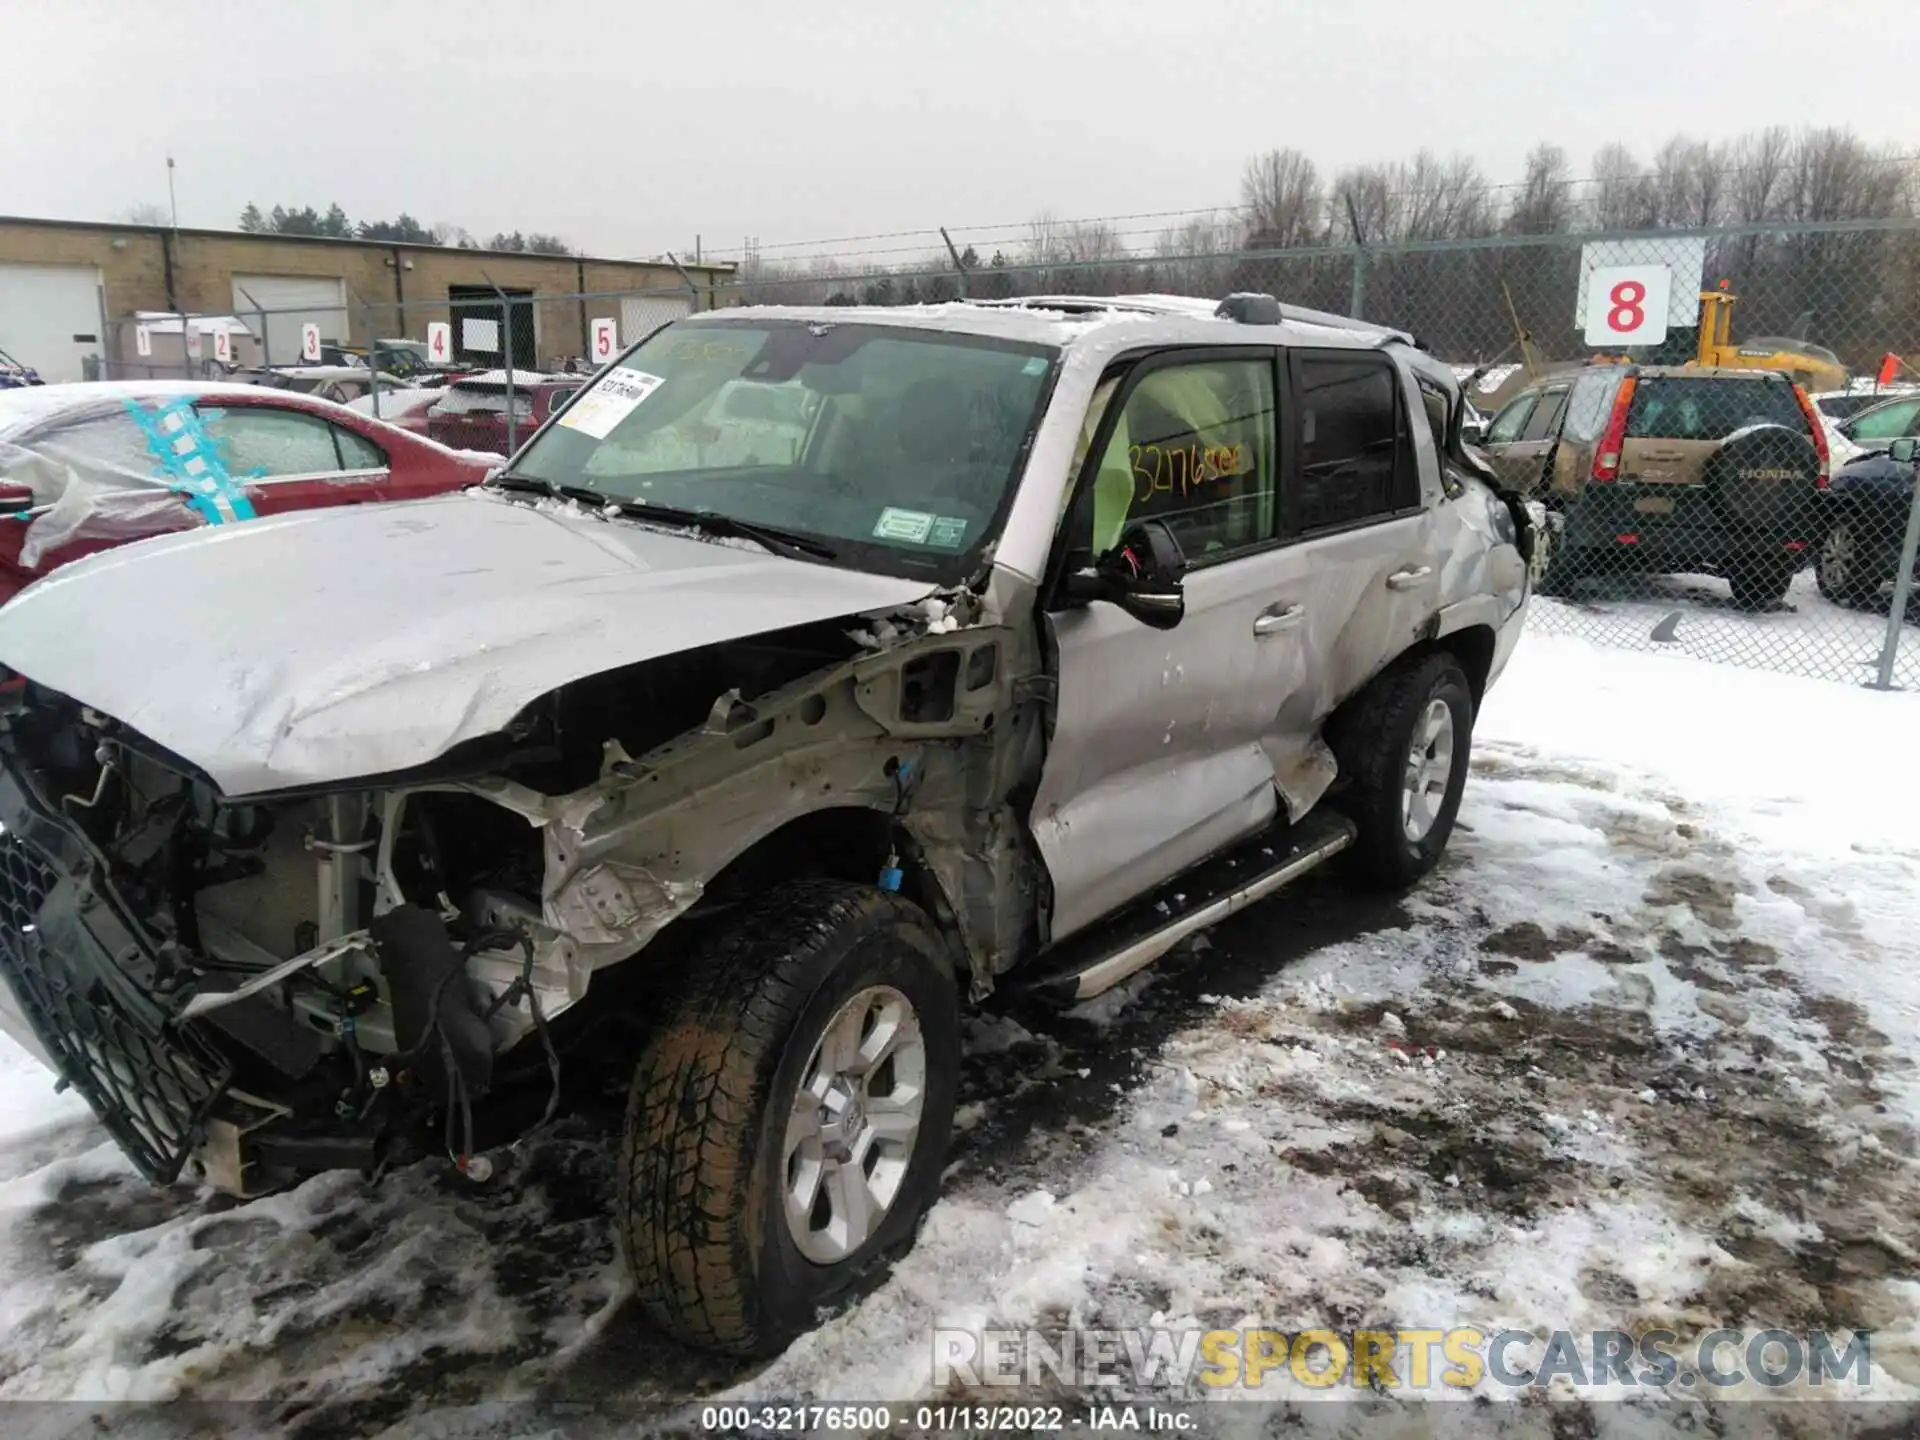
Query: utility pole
{"x": 172, "y": 205}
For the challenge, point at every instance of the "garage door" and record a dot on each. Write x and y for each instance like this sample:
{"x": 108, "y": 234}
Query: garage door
{"x": 642, "y": 313}
{"x": 50, "y": 317}
{"x": 293, "y": 301}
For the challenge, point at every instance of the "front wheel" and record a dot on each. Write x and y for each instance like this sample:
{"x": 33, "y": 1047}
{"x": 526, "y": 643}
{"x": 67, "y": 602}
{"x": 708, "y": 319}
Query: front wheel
{"x": 1403, "y": 746}
{"x": 787, "y": 1127}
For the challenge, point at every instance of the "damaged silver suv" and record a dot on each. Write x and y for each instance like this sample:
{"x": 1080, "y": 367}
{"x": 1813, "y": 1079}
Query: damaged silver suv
{"x": 810, "y": 675}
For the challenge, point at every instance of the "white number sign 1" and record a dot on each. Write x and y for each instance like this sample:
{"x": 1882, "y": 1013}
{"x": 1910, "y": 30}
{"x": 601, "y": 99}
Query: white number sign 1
{"x": 309, "y": 341}
{"x": 223, "y": 347}
{"x": 606, "y": 340}
{"x": 142, "y": 341}
{"x": 1627, "y": 305}
{"x": 439, "y": 342}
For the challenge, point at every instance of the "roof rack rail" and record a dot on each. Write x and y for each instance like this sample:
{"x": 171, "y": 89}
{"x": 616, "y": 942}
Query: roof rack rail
{"x": 1252, "y": 307}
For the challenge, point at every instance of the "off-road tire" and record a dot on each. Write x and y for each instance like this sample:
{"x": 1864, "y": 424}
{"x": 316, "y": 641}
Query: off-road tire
{"x": 1760, "y": 584}
{"x": 700, "y": 1181}
{"x": 1371, "y": 739}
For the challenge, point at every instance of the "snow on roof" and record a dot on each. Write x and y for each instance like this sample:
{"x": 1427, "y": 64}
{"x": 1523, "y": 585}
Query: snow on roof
{"x": 163, "y": 322}
{"x": 520, "y": 377}
{"x": 32, "y": 404}
{"x": 1081, "y": 318}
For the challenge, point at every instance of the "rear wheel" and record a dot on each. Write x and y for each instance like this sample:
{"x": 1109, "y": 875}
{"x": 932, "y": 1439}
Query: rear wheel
{"x": 1403, "y": 747}
{"x": 1760, "y": 584}
{"x": 787, "y": 1126}
{"x": 1847, "y": 573}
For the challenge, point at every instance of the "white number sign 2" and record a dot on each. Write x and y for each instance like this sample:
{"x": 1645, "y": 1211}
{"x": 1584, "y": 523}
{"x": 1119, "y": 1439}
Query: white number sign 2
{"x": 606, "y": 340}
{"x": 223, "y": 347}
{"x": 1627, "y": 305}
{"x": 309, "y": 341}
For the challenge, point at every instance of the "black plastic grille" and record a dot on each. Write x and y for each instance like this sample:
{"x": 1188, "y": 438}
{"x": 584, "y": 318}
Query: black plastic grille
{"x": 151, "y": 1092}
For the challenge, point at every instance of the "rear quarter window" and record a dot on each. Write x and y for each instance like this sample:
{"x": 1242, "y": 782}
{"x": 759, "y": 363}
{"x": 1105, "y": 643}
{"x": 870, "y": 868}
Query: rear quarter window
{"x": 1705, "y": 408}
{"x": 1587, "y": 407}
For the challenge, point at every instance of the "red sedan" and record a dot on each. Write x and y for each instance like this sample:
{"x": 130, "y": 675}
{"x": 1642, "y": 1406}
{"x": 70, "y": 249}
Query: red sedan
{"x": 473, "y": 411}
{"x": 90, "y": 466}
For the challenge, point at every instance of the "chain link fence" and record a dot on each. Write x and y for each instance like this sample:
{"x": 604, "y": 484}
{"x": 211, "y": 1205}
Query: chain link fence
{"x": 1712, "y": 421}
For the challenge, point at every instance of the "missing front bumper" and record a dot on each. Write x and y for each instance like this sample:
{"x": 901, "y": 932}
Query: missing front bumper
{"x": 69, "y": 962}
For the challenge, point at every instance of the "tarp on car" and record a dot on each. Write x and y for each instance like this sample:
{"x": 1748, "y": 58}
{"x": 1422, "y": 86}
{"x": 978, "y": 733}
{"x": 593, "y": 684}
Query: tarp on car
{"x": 105, "y": 464}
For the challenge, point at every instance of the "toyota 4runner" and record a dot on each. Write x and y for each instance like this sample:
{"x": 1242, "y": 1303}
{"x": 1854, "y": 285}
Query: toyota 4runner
{"x": 808, "y": 676}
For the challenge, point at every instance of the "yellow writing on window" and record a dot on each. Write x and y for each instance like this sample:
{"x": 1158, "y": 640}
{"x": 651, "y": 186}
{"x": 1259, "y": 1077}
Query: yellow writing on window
{"x": 1182, "y": 469}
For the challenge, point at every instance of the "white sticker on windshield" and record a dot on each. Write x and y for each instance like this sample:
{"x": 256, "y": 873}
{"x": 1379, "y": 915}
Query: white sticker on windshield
{"x": 609, "y": 401}
{"x": 910, "y": 525}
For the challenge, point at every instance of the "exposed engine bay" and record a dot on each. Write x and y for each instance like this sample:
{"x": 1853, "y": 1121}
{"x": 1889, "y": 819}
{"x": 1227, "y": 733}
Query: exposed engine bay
{"x": 308, "y": 979}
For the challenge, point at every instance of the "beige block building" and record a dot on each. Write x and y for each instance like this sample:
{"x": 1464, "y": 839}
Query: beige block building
{"x": 69, "y": 292}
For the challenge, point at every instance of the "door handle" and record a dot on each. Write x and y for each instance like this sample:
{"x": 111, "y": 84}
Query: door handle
{"x": 1407, "y": 579}
{"x": 1272, "y": 622}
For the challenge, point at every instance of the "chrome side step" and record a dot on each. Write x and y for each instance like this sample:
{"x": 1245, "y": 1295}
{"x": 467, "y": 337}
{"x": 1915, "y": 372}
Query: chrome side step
{"x": 1100, "y": 957}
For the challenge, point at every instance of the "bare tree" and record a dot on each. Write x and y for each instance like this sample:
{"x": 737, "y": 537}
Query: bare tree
{"x": 1194, "y": 255}
{"x": 147, "y": 212}
{"x": 1367, "y": 197}
{"x": 1281, "y": 194}
{"x": 1442, "y": 199}
{"x": 1687, "y": 185}
{"x": 1831, "y": 175}
{"x": 1544, "y": 202}
{"x": 1624, "y": 197}
{"x": 1043, "y": 239}
{"x": 1758, "y": 170}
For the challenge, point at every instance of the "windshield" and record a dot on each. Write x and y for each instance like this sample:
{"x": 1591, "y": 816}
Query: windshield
{"x": 897, "y": 447}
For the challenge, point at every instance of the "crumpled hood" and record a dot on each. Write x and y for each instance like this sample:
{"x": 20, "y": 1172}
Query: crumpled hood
{"x": 329, "y": 646}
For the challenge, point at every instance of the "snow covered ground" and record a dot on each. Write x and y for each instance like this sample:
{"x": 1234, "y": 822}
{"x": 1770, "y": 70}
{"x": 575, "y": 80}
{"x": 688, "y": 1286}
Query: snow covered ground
{"x": 1695, "y": 615}
{"x": 1641, "y": 1055}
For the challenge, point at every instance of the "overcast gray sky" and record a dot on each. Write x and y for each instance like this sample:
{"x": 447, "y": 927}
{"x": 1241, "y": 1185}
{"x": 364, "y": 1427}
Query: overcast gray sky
{"x": 630, "y": 127}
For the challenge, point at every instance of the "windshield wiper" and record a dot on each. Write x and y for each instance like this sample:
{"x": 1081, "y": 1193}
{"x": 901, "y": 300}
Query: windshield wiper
{"x": 534, "y": 485}
{"x": 787, "y": 543}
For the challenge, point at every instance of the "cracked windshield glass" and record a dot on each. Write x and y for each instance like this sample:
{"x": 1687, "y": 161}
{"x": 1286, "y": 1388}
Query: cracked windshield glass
{"x": 895, "y": 448}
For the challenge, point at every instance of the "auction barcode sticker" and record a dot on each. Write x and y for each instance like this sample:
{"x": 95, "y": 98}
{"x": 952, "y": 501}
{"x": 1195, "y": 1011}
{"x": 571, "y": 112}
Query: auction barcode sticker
{"x": 611, "y": 399}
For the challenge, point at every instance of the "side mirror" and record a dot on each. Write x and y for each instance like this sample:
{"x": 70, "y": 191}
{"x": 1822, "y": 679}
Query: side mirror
{"x": 1905, "y": 450}
{"x": 1141, "y": 575}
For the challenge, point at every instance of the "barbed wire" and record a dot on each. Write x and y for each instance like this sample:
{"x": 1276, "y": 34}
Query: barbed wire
{"x": 1004, "y": 233}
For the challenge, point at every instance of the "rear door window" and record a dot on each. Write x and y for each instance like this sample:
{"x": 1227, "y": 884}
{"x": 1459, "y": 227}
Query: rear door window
{"x": 357, "y": 452}
{"x": 1355, "y": 460}
{"x": 1544, "y": 423}
{"x": 1511, "y": 420}
{"x": 1890, "y": 422}
{"x": 1673, "y": 407}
